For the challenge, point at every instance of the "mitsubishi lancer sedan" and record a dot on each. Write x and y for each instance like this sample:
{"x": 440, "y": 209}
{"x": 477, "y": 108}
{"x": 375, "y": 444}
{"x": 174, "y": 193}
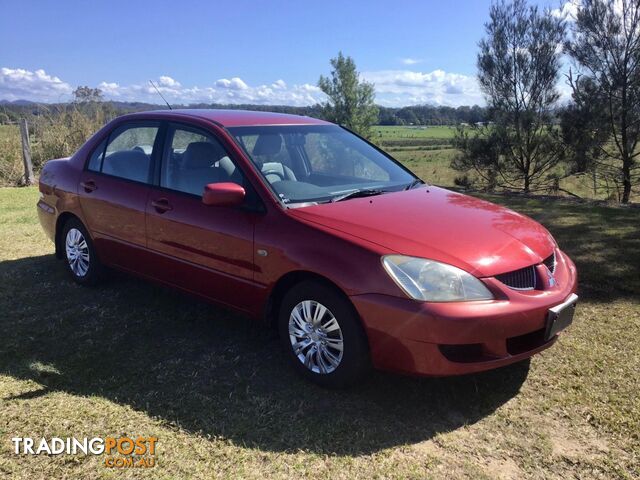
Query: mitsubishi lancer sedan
{"x": 306, "y": 226}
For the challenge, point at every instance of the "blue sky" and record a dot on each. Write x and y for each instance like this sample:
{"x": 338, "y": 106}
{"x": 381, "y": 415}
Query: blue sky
{"x": 239, "y": 51}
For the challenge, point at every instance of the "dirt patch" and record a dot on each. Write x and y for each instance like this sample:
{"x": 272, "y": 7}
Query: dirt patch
{"x": 504, "y": 469}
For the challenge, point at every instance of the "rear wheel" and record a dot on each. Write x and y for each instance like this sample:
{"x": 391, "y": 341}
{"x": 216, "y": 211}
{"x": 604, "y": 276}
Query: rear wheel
{"x": 80, "y": 255}
{"x": 322, "y": 335}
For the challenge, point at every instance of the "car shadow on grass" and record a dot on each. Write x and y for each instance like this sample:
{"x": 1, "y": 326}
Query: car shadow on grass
{"x": 213, "y": 372}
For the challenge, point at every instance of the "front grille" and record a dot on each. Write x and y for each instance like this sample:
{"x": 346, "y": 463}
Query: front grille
{"x": 523, "y": 279}
{"x": 550, "y": 262}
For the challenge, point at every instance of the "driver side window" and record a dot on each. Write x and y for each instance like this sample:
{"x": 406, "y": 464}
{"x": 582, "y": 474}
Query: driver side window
{"x": 193, "y": 159}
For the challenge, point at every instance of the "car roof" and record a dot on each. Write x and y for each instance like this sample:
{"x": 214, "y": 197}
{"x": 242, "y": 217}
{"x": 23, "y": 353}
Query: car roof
{"x": 233, "y": 118}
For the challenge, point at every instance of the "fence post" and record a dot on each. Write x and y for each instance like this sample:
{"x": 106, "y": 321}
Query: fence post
{"x": 29, "y": 179}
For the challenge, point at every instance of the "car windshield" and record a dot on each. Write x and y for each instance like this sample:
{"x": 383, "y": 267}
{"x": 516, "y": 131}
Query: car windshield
{"x": 320, "y": 163}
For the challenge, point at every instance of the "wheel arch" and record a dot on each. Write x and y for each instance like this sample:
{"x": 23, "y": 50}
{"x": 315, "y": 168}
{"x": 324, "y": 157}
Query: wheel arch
{"x": 62, "y": 219}
{"x": 290, "y": 279}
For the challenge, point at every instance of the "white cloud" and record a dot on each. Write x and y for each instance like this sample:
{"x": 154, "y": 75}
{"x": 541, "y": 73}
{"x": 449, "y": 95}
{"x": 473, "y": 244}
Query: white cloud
{"x": 393, "y": 88}
{"x": 234, "y": 84}
{"x": 226, "y": 91}
{"x": 410, "y": 61}
{"x": 407, "y": 87}
{"x": 567, "y": 11}
{"x": 169, "y": 82}
{"x": 17, "y": 84}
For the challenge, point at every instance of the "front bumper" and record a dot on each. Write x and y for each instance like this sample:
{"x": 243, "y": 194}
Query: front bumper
{"x": 439, "y": 339}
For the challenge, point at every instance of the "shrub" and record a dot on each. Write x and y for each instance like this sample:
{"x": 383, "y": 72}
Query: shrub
{"x": 60, "y": 135}
{"x": 56, "y": 134}
{"x": 11, "y": 169}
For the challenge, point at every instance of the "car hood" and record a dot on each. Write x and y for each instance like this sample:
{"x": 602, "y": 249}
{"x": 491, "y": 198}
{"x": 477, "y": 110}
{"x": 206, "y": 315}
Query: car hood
{"x": 478, "y": 236}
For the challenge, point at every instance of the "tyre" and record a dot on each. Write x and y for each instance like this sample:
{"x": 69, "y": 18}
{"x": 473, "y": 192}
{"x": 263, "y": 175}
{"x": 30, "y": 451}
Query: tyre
{"x": 80, "y": 255}
{"x": 322, "y": 335}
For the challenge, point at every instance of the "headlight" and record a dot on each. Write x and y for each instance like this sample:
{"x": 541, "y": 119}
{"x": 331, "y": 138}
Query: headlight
{"x": 433, "y": 281}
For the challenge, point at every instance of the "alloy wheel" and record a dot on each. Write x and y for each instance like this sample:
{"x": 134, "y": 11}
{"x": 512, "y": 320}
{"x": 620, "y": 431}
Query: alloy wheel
{"x": 77, "y": 252}
{"x": 316, "y": 337}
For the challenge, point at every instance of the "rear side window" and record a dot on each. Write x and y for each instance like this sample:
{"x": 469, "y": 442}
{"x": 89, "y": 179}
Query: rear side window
{"x": 128, "y": 153}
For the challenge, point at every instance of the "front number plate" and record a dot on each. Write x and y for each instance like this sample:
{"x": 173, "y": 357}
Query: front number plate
{"x": 561, "y": 316}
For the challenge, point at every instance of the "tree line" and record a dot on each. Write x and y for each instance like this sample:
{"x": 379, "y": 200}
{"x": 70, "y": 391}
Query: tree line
{"x": 409, "y": 115}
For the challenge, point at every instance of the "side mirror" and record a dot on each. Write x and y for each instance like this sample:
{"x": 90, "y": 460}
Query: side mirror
{"x": 226, "y": 194}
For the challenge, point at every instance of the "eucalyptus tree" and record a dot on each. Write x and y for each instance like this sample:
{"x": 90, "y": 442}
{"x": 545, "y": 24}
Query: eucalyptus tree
{"x": 518, "y": 70}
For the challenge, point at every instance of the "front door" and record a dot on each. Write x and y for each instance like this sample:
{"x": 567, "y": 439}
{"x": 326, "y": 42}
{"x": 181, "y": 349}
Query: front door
{"x": 205, "y": 249}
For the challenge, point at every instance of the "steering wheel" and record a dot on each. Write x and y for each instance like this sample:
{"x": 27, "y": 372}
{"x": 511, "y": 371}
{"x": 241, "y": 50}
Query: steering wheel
{"x": 274, "y": 172}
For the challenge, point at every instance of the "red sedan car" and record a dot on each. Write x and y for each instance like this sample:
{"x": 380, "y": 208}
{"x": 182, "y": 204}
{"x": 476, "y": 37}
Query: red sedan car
{"x": 307, "y": 226}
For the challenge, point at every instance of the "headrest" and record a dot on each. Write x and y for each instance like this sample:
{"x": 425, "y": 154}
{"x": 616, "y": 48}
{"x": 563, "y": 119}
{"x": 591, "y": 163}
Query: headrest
{"x": 268, "y": 144}
{"x": 202, "y": 154}
{"x": 131, "y": 164}
{"x": 128, "y": 157}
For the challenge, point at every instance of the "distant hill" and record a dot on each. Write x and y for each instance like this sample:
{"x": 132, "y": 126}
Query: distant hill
{"x": 17, "y": 102}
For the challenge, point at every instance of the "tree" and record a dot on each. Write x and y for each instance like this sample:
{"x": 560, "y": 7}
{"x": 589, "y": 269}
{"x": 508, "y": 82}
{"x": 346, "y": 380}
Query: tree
{"x": 350, "y": 100}
{"x": 480, "y": 152}
{"x": 518, "y": 67}
{"x": 606, "y": 49}
{"x": 87, "y": 95}
{"x": 584, "y": 129}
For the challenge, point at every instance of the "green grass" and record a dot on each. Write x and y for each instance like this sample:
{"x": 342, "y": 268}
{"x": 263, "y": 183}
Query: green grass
{"x": 417, "y": 132}
{"x": 130, "y": 358}
{"x": 9, "y": 131}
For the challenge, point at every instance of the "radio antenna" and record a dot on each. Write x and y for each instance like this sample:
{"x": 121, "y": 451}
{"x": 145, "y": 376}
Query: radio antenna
{"x": 165, "y": 100}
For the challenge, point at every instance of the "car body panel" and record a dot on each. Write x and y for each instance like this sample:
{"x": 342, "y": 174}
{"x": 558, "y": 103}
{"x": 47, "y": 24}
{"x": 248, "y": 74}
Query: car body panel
{"x": 217, "y": 242}
{"x": 241, "y": 118}
{"x": 115, "y": 214}
{"x": 293, "y": 245}
{"x": 477, "y": 236}
{"x": 236, "y": 256}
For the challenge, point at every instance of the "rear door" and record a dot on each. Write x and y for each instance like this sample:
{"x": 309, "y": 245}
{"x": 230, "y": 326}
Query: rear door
{"x": 205, "y": 249}
{"x": 113, "y": 192}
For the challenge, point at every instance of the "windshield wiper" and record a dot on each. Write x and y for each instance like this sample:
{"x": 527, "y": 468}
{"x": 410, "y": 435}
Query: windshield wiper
{"x": 414, "y": 184}
{"x": 365, "y": 192}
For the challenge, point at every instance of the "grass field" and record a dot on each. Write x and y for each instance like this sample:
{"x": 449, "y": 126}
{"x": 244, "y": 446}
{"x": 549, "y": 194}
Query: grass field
{"x": 130, "y": 358}
{"x": 418, "y": 132}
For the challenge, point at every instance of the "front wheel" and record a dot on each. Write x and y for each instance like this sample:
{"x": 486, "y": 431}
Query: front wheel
{"x": 322, "y": 335}
{"x": 80, "y": 255}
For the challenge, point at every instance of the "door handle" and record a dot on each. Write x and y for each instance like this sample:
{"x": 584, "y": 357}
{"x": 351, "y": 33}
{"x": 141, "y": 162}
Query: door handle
{"x": 89, "y": 186}
{"x": 161, "y": 205}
